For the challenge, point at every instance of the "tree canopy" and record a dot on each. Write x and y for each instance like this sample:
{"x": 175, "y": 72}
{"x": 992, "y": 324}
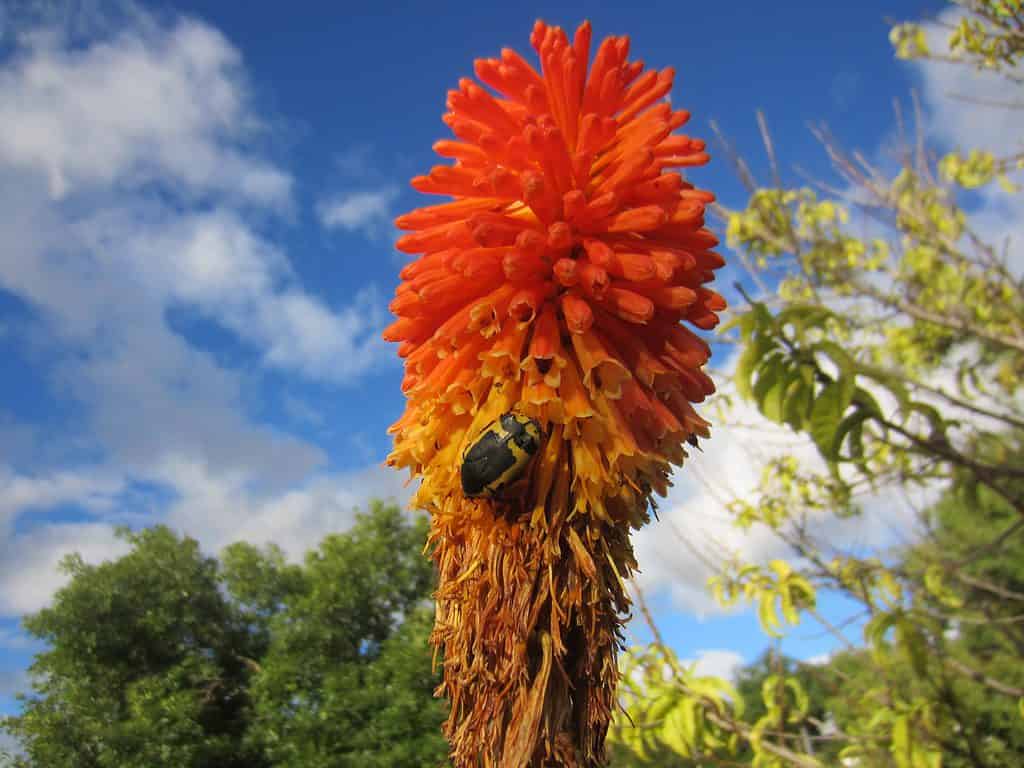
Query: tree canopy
{"x": 168, "y": 657}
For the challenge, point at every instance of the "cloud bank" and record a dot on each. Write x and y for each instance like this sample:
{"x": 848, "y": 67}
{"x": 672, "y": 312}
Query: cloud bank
{"x": 137, "y": 198}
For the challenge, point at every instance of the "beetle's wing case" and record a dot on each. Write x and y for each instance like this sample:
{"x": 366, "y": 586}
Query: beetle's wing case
{"x": 499, "y": 455}
{"x": 473, "y": 481}
{"x": 485, "y": 461}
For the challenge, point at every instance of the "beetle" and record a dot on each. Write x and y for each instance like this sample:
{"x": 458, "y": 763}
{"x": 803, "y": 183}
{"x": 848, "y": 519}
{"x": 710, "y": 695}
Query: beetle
{"x": 500, "y": 455}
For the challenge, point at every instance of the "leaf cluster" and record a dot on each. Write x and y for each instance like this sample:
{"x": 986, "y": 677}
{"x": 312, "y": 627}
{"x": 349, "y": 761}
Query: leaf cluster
{"x": 168, "y": 657}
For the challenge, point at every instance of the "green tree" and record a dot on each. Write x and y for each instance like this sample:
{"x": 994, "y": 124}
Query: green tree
{"x": 899, "y": 357}
{"x": 756, "y": 684}
{"x": 347, "y": 679}
{"x": 147, "y": 664}
{"x": 166, "y": 657}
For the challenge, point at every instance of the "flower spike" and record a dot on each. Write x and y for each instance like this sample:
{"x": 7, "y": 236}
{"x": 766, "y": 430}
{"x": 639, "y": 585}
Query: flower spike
{"x": 552, "y": 287}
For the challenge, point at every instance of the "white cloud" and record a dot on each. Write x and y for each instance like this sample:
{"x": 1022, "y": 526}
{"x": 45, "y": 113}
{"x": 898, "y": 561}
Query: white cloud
{"x": 219, "y": 508}
{"x": 30, "y": 573}
{"x": 133, "y": 193}
{"x": 214, "y": 262}
{"x": 369, "y": 212}
{"x": 357, "y": 162}
{"x": 149, "y": 104}
{"x": 214, "y": 503}
{"x": 123, "y": 166}
{"x": 961, "y": 113}
{"x": 957, "y": 98}
{"x": 95, "y": 490}
{"x": 696, "y": 534}
{"x": 716, "y": 663}
{"x": 8, "y": 744}
{"x": 300, "y": 411}
{"x": 150, "y": 395}
{"x": 818, "y": 659}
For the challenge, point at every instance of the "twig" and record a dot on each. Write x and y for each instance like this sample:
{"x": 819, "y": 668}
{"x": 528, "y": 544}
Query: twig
{"x": 739, "y": 164}
{"x": 986, "y": 102}
{"x": 945, "y": 321}
{"x": 968, "y": 406}
{"x": 832, "y": 630}
{"x": 984, "y": 679}
{"x": 987, "y": 586}
{"x": 722, "y": 721}
{"x": 991, "y": 546}
{"x": 769, "y": 149}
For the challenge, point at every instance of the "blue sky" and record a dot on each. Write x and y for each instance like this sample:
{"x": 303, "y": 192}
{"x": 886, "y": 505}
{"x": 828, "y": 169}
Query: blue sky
{"x": 195, "y": 202}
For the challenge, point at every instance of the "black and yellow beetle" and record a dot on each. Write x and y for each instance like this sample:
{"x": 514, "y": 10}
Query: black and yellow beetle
{"x": 500, "y": 456}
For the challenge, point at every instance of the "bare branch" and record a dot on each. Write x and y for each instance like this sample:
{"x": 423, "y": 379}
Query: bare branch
{"x": 988, "y": 586}
{"x": 738, "y": 163}
{"x": 984, "y": 679}
{"x": 945, "y": 321}
{"x": 986, "y": 102}
{"x": 921, "y": 164}
{"x": 968, "y": 406}
{"x": 769, "y": 149}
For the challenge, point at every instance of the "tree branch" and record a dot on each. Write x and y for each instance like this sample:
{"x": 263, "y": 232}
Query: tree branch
{"x": 722, "y": 721}
{"x": 951, "y": 322}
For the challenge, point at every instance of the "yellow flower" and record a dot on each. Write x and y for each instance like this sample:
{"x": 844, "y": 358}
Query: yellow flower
{"x": 554, "y": 284}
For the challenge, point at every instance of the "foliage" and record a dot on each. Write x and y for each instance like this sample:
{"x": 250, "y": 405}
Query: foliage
{"x": 340, "y": 684}
{"x": 896, "y": 348}
{"x": 683, "y": 715}
{"x": 987, "y": 36}
{"x": 166, "y": 657}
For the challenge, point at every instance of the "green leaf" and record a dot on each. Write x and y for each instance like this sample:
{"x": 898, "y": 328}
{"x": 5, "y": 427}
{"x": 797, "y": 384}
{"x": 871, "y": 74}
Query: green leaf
{"x": 911, "y": 639}
{"x": 770, "y": 692}
{"x": 876, "y": 629}
{"x": 902, "y": 748}
{"x": 803, "y": 316}
{"x": 749, "y": 361}
{"x": 678, "y": 731}
{"x": 774, "y": 401}
{"x": 661, "y": 706}
{"x": 867, "y": 402}
{"x": 936, "y": 423}
{"x": 767, "y": 615}
{"x": 934, "y": 581}
{"x": 888, "y": 380}
{"x": 797, "y": 404}
{"x": 801, "y": 701}
{"x": 851, "y": 426}
{"x": 767, "y": 374}
{"x": 839, "y": 356}
{"x": 826, "y": 415}
{"x": 856, "y": 441}
{"x": 761, "y": 316}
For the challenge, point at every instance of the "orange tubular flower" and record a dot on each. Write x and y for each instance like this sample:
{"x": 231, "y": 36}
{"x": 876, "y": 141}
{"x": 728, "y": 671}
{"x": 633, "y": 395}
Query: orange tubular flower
{"x": 554, "y": 284}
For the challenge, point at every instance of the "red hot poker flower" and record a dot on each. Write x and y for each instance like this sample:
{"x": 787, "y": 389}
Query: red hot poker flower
{"x": 556, "y": 284}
